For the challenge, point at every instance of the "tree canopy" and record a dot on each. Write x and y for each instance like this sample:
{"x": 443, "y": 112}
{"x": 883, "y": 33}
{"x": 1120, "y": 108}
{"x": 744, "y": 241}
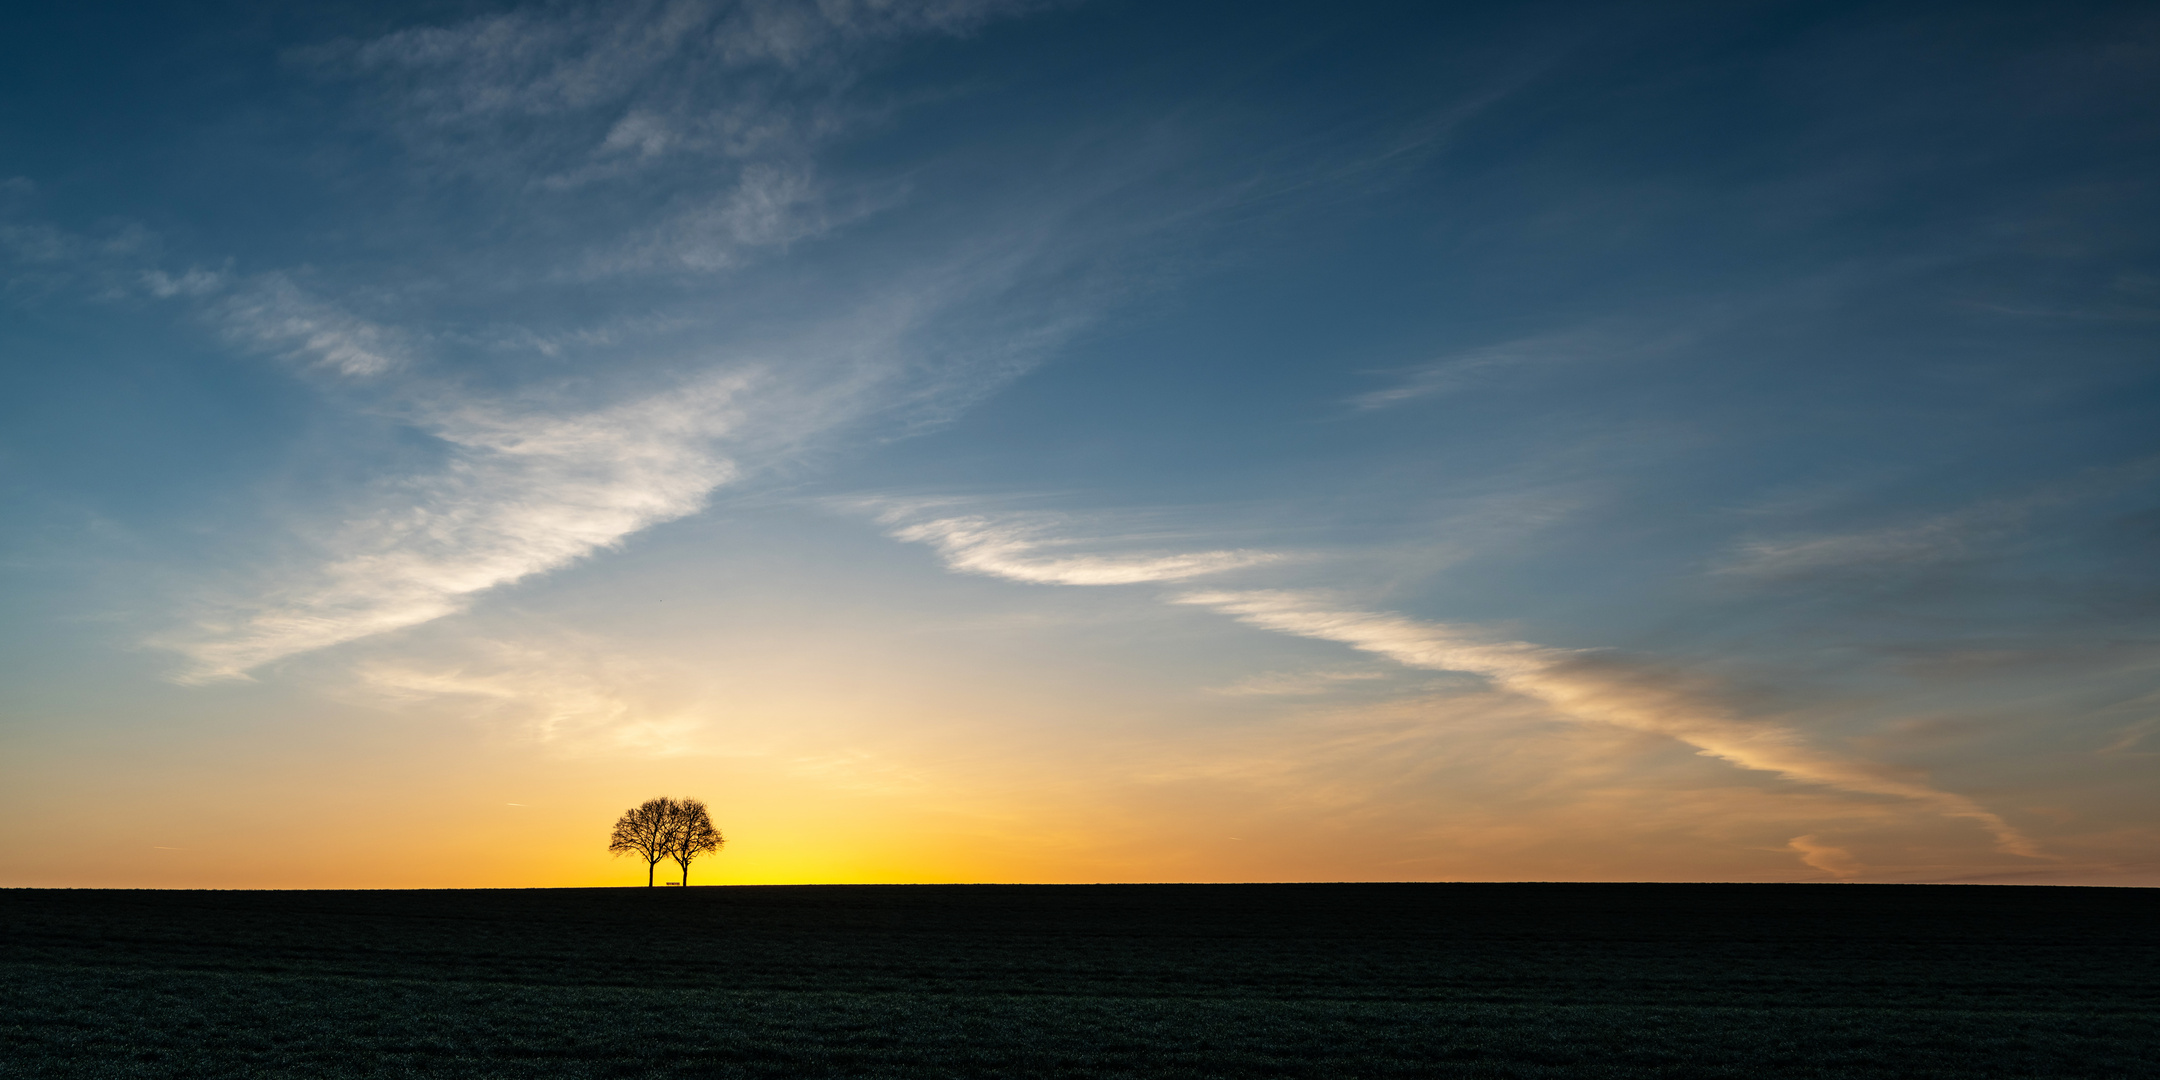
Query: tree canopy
{"x": 693, "y": 835}
{"x": 664, "y": 828}
{"x": 645, "y": 831}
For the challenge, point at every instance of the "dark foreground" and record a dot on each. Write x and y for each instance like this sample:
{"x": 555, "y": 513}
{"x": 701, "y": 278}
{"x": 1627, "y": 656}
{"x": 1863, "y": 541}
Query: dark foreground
{"x": 1086, "y": 981}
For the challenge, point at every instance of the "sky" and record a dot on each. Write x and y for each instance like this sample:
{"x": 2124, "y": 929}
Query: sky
{"x": 999, "y": 440}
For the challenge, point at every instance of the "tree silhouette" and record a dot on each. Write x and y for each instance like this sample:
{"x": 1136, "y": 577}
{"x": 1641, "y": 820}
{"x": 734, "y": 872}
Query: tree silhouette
{"x": 693, "y": 835}
{"x": 648, "y": 830}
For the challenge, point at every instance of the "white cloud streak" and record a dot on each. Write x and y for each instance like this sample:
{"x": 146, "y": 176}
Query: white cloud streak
{"x": 1599, "y": 688}
{"x": 1019, "y": 551}
{"x": 769, "y": 206}
{"x": 266, "y": 312}
{"x": 526, "y": 491}
{"x": 540, "y": 64}
{"x": 1294, "y": 683}
{"x": 1969, "y": 533}
{"x": 522, "y": 494}
{"x": 1835, "y": 861}
{"x": 277, "y": 316}
{"x": 1934, "y": 541}
{"x": 717, "y": 108}
{"x": 1467, "y": 369}
{"x": 1586, "y": 686}
{"x": 196, "y": 281}
{"x": 574, "y": 699}
{"x": 1475, "y": 367}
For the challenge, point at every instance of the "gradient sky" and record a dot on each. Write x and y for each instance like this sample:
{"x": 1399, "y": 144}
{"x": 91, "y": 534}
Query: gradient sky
{"x": 976, "y": 440}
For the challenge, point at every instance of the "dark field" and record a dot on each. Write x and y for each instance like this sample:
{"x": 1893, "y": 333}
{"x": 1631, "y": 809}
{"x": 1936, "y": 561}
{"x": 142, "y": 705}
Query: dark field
{"x": 1086, "y": 981}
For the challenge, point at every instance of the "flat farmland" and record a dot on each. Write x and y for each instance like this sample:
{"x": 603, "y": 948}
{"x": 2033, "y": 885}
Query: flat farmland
{"x": 1324, "y": 980}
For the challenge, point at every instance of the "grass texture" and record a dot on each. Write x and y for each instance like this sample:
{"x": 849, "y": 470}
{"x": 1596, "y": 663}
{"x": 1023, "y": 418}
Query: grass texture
{"x": 1185, "y": 981}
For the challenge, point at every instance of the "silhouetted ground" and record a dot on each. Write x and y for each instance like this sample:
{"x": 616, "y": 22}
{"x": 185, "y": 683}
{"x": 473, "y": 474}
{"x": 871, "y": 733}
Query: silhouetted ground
{"x": 1086, "y": 981}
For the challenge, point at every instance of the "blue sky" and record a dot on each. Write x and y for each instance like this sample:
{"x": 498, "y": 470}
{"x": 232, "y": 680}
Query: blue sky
{"x": 1554, "y": 441}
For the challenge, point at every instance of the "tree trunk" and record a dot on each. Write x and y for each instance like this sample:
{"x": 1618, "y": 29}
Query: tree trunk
{"x": 686, "y": 875}
{"x": 648, "y": 873}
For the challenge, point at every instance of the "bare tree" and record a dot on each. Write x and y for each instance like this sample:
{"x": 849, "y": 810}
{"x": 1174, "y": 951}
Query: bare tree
{"x": 648, "y": 830}
{"x": 692, "y": 835}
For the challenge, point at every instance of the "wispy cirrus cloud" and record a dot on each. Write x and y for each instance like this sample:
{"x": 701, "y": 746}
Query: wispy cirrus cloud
{"x": 560, "y": 694}
{"x": 2128, "y": 738}
{"x": 524, "y": 488}
{"x": 194, "y": 281}
{"x": 713, "y": 111}
{"x": 527, "y": 488}
{"x": 1472, "y": 368}
{"x": 1020, "y": 549}
{"x": 1296, "y": 683}
{"x": 266, "y": 312}
{"x": 273, "y": 314}
{"x": 39, "y": 257}
{"x": 768, "y": 206}
{"x": 1984, "y": 528}
{"x": 1581, "y": 685}
{"x": 1463, "y": 370}
{"x": 1832, "y": 860}
{"x": 530, "y": 483}
{"x": 1600, "y": 688}
{"x": 1933, "y": 541}
{"x": 542, "y": 62}
{"x": 521, "y": 493}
